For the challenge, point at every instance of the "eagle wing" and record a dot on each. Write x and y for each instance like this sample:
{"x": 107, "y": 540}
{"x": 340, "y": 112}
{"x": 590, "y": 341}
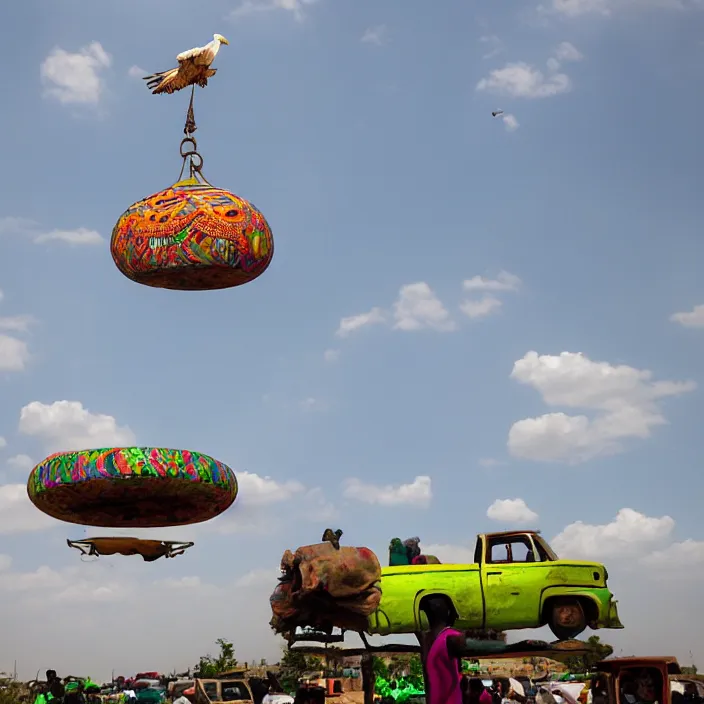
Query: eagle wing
{"x": 191, "y": 54}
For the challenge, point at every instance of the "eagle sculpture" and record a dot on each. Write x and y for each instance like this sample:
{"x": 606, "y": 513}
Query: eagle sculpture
{"x": 193, "y": 69}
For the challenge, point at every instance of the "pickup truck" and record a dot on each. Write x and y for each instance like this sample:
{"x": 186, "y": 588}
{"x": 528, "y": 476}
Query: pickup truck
{"x": 516, "y": 581}
{"x": 216, "y": 691}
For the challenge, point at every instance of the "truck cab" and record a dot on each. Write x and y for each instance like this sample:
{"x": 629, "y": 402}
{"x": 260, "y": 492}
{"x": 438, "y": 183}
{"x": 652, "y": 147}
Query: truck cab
{"x": 216, "y": 691}
{"x": 627, "y": 680}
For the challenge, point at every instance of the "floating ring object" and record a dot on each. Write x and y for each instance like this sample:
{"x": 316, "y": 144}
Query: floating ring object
{"x": 132, "y": 487}
{"x": 192, "y": 237}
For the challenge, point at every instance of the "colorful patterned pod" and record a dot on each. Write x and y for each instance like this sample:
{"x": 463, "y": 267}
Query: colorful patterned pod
{"x": 132, "y": 487}
{"x": 192, "y": 237}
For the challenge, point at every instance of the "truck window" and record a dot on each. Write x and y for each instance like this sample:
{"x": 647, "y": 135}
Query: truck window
{"x": 211, "y": 690}
{"x": 640, "y": 685}
{"x": 234, "y": 691}
{"x": 508, "y": 549}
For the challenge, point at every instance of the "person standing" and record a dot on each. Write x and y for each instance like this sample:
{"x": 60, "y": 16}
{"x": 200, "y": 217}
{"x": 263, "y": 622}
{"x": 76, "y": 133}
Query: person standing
{"x": 444, "y": 653}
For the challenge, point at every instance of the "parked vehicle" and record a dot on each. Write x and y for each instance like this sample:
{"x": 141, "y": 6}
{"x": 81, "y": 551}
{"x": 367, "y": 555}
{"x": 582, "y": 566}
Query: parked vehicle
{"x": 516, "y": 581}
{"x": 216, "y": 691}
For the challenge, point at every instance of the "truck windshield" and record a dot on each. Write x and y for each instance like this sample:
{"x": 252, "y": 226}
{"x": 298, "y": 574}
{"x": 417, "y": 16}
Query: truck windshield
{"x": 234, "y": 691}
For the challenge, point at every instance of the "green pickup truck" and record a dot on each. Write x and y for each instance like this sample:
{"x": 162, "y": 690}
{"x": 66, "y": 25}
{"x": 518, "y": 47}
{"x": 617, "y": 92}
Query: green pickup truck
{"x": 516, "y": 581}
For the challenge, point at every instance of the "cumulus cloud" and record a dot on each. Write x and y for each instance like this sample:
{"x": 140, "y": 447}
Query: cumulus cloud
{"x": 374, "y": 35}
{"x": 331, "y": 355}
{"x": 630, "y": 533}
{"x": 417, "y": 493}
{"x": 513, "y": 511}
{"x": 67, "y": 425}
{"x": 678, "y": 558}
{"x": 624, "y": 402}
{"x": 32, "y": 230}
{"x": 20, "y": 463}
{"x": 254, "y": 7}
{"x": 690, "y": 319}
{"x": 418, "y": 308}
{"x": 18, "y": 514}
{"x": 136, "y": 72}
{"x": 75, "y": 78}
{"x": 568, "y": 52}
{"x": 450, "y": 554}
{"x": 492, "y": 44}
{"x": 520, "y": 80}
{"x": 488, "y": 303}
{"x": 576, "y": 8}
{"x": 353, "y": 323}
{"x": 505, "y": 281}
{"x": 510, "y": 122}
{"x": 481, "y": 308}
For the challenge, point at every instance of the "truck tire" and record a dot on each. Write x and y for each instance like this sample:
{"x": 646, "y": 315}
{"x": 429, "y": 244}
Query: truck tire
{"x": 566, "y": 617}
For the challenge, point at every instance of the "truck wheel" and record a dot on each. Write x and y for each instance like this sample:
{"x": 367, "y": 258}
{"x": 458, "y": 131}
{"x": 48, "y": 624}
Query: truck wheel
{"x": 566, "y": 618}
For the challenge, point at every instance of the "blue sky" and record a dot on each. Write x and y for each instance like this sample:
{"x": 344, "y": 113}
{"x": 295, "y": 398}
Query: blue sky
{"x": 368, "y": 355}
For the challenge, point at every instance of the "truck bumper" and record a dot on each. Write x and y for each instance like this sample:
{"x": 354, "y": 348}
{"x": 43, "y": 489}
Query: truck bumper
{"x": 612, "y": 620}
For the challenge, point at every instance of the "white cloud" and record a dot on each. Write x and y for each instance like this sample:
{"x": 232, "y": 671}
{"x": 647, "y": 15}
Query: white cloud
{"x": 450, "y": 554}
{"x": 3, "y": 442}
{"x": 18, "y": 514}
{"x": 510, "y": 122}
{"x": 79, "y": 236}
{"x": 504, "y": 281}
{"x": 14, "y": 354}
{"x": 481, "y": 308}
{"x": 253, "y": 7}
{"x": 374, "y": 35}
{"x": 576, "y": 8}
{"x": 5, "y": 562}
{"x": 17, "y": 323}
{"x": 136, "y": 72}
{"x": 66, "y": 425}
{"x": 417, "y": 493}
{"x": 623, "y": 399}
{"x": 356, "y": 322}
{"x": 629, "y": 534}
{"x": 691, "y": 319}
{"x": 511, "y": 511}
{"x": 520, "y": 80}
{"x": 677, "y": 558}
{"x": 568, "y": 52}
{"x": 21, "y": 463}
{"x": 312, "y": 404}
{"x": 75, "y": 78}
{"x": 493, "y": 44}
{"x": 258, "y": 578}
{"x": 553, "y": 64}
{"x": 489, "y": 462}
{"x": 262, "y": 491}
{"x": 417, "y": 308}
{"x": 32, "y": 230}
{"x": 331, "y": 355}
{"x": 256, "y": 509}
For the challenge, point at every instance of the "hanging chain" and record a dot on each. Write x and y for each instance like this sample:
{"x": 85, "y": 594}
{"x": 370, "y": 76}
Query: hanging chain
{"x": 189, "y": 148}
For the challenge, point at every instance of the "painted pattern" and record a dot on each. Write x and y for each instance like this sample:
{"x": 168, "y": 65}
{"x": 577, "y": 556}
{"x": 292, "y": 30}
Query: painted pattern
{"x": 132, "y": 487}
{"x": 192, "y": 237}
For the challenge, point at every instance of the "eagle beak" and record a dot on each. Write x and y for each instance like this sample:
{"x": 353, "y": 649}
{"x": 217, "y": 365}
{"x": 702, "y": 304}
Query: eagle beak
{"x": 224, "y": 41}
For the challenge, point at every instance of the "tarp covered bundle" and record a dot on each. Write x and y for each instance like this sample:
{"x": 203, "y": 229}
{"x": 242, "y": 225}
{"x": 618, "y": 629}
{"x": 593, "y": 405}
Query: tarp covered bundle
{"x": 324, "y": 587}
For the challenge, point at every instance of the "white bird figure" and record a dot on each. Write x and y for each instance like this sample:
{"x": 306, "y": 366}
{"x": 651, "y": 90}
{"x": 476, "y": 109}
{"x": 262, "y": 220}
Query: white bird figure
{"x": 193, "y": 69}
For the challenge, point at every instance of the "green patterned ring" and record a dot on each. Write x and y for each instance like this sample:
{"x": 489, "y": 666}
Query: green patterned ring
{"x": 132, "y": 487}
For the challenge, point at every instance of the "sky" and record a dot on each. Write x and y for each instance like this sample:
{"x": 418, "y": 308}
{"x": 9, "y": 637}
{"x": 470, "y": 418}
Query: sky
{"x": 469, "y": 324}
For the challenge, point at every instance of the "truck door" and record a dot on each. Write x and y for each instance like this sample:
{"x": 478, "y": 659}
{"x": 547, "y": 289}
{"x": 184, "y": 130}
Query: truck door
{"x": 512, "y": 579}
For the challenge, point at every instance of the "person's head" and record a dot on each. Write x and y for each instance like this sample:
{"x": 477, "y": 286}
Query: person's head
{"x": 628, "y": 685}
{"x": 678, "y": 698}
{"x": 691, "y": 689}
{"x": 476, "y": 686}
{"x": 440, "y": 612}
{"x": 50, "y": 675}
